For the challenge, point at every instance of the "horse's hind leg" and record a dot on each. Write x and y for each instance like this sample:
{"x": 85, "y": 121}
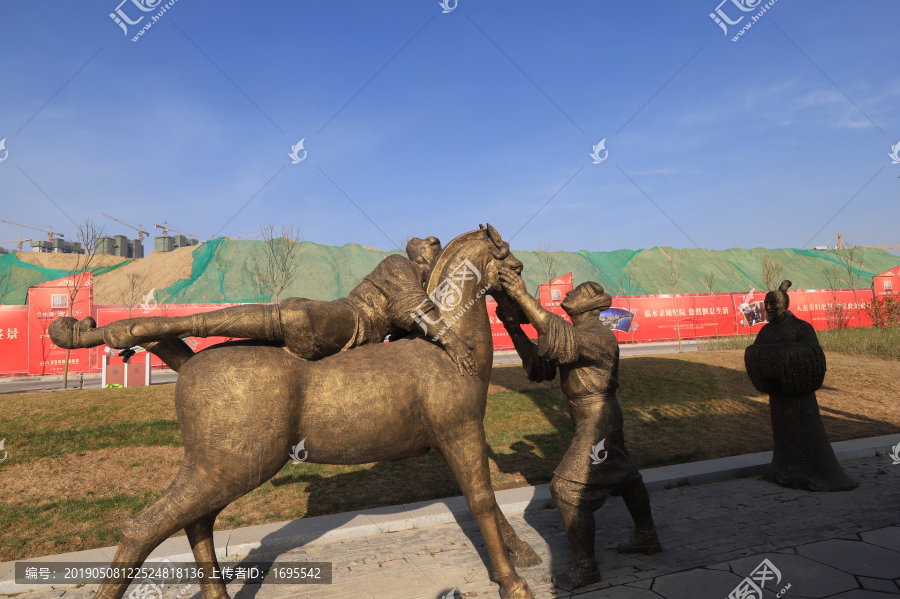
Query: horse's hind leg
{"x": 200, "y": 536}
{"x": 523, "y": 556}
{"x": 465, "y": 451}
{"x": 191, "y": 496}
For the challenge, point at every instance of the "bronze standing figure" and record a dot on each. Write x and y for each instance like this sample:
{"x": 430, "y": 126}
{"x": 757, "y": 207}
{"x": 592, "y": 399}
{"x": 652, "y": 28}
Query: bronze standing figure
{"x": 597, "y": 464}
{"x": 242, "y": 406}
{"x": 787, "y": 363}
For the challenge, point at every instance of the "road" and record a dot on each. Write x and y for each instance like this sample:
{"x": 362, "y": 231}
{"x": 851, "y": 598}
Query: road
{"x": 163, "y": 377}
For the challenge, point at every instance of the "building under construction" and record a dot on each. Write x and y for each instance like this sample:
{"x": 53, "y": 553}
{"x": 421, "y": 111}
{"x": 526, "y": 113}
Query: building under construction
{"x": 120, "y": 246}
{"x": 170, "y": 243}
{"x": 57, "y": 245}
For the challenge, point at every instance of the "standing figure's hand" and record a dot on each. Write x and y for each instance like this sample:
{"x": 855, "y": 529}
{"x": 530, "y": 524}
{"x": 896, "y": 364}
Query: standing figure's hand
{"x": 512, "y": 283}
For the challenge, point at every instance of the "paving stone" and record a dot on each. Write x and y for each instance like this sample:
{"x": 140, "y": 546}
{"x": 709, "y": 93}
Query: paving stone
{"x": 855, "y": 557}
{"x": 878, "y": 584}
{"x": 696, "y": 583}
{"x": 709, "y": 527}
{"x": 860, "y": 594}
{"x": 888, "y": 537}
{"x": 618, "y": 593}
{"x": 807, "y": 578}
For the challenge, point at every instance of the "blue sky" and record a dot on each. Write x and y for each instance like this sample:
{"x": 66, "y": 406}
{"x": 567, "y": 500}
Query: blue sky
{"x": 433, "y": 123}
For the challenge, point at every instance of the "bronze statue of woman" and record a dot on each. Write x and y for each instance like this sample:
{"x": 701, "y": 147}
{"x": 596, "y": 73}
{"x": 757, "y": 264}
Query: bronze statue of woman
{"x": 787, "y": 362}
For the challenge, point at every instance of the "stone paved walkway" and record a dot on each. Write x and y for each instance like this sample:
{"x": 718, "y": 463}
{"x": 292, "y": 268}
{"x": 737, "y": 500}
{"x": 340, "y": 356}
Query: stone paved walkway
{"x": 843, "y": 545}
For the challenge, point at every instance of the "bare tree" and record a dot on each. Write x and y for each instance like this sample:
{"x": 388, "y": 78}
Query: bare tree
{"x": 279, "y": 263}
{"x": 131, "y": 294}
{"x": 836, "y": 313}
{"x": 625, "y": 286}
{"x": 672, "y": 272}
{"x": 772, "y": 268}
{"x": 549, "y": 258}
{"x": 6, "y": 286}
{"x": 852, "y": 260}
{"x": 709, "y": 280}
{"x": 89, "y": 236}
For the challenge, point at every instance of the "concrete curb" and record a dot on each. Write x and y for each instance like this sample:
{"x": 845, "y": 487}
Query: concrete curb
{"x": 281, "y": 536}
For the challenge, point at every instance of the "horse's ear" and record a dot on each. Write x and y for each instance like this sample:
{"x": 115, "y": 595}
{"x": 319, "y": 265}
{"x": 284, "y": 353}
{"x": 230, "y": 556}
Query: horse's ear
{"x": 494, "y": 236}
{"x": 480, "y": 226}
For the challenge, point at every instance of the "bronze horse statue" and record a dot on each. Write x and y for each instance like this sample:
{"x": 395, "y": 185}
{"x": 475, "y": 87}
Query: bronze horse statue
{"x": 243, "y": 406}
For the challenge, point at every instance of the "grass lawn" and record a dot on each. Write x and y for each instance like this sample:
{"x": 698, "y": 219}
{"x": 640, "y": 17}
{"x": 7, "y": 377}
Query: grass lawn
{"x": 82, "y": 461}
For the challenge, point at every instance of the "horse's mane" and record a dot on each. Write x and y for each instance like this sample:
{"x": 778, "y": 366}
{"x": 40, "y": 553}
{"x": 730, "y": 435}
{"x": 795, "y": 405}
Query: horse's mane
{"x": 449, "y": 250}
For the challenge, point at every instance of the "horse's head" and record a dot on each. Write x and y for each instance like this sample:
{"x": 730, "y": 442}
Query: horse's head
{"x": 485, "y": 250}
{"x": 499, "y": 256}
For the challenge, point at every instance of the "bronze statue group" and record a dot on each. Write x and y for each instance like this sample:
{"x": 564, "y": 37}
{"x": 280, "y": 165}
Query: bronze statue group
{"x": 394, "y": 301}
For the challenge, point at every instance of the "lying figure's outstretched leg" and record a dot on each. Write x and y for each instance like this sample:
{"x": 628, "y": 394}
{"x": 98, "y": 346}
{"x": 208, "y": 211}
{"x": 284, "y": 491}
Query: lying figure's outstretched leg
{"x": 252, "y": 322}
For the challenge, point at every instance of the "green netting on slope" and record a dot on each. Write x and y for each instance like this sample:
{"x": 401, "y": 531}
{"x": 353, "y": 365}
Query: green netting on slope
{"x": 222, "y": 268}
{"x": 740, "y": 269}
{"x": 222, "y": 272}
{"x": 17, "y": 276}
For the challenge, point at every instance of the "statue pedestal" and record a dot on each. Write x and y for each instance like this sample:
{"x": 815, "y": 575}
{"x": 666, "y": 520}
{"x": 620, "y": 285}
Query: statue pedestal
{"x": 791, "y": 373}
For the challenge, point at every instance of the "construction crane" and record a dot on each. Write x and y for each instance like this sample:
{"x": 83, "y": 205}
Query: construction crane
{"x": 20, "y": 241}
{"x": 139, "y": 228}
{"x": 240, "y": 236}
{"x": 166, "y": 230}
{"x": 49, "y": 233}
{"x": 840, "y": 244}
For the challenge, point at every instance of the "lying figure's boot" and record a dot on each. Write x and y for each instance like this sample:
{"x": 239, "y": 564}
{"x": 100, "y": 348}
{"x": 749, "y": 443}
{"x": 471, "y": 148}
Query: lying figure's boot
{"x": 644, "y": 541}
{"x": 577, "y": 576}
{"x": 70, "y": 333}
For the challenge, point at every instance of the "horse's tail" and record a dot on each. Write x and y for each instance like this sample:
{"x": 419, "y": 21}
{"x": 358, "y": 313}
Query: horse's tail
{"x": 174, "y": 352}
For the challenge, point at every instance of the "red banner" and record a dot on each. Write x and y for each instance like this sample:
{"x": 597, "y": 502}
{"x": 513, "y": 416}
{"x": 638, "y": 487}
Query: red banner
{"x": 46, "y": 303}
{"x": 824, "y": 309}
{"x": 13, "y": 340}
{"x": 657, "y": 318}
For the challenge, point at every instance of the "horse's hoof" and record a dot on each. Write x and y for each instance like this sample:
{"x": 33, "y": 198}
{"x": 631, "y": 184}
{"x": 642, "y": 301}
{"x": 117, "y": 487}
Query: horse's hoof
{"x": 515, "y": 590}
{"x": 525, "y": 557}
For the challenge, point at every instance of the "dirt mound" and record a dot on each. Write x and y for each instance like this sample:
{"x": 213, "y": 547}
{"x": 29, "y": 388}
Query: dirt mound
{"x": 129, "y": 283}
{"x": 66, "y": 261}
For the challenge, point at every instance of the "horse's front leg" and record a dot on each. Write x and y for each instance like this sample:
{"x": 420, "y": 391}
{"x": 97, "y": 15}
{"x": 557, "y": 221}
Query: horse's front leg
{"x": 464, "y": 448}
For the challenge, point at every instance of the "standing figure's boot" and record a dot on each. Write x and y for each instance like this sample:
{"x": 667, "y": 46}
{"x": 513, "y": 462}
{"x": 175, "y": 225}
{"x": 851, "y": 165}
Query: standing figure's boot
{"x": 645, "y": 540}
{"x": 582, "y": 573}
{"x": 578, "y": 521}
